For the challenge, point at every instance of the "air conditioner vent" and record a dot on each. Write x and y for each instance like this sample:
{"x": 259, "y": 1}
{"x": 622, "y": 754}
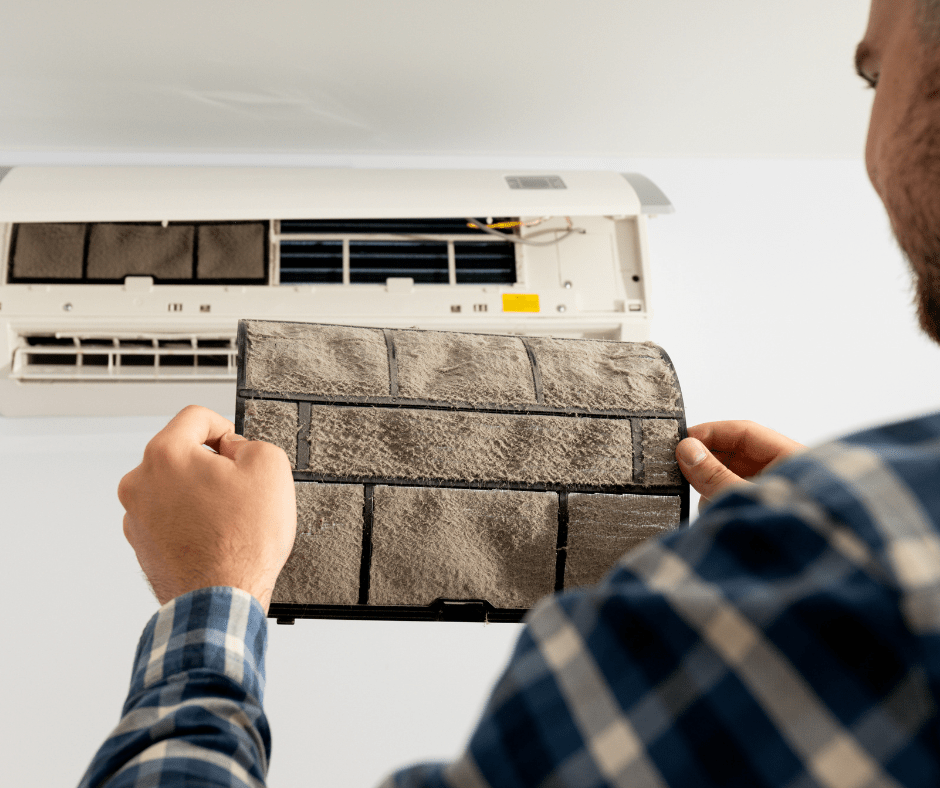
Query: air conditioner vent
{"x": 124, "y": 357}
{"x": 378, "y": 249}
{"x": 372, "y": 262}
{"x": 311, "y": 262}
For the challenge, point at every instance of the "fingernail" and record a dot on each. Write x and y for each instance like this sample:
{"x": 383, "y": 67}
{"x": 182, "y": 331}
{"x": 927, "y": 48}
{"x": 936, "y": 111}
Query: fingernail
{"x": 692, "y": 451}
{"x": 234, "y": 436}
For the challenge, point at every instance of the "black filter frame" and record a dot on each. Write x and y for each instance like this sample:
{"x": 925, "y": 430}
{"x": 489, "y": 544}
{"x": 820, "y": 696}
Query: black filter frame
{"x": 190, "y": 280}
{"x": 471, "y": 610}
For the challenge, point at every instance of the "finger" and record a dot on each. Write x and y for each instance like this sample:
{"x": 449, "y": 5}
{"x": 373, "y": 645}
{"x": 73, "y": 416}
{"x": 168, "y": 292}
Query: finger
{"x": 741, "y": 436}
{"x": 231, "y": 444}
{"x": 745, "y": 446}
{"x": 705, "y": 472}
{"x": 260, "y": 454}
{"x": 193, "y": 427}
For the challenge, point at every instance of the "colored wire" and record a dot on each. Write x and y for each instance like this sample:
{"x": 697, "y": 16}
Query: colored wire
{"x": 483, "y": 227}
{"x": 515, "y": 240}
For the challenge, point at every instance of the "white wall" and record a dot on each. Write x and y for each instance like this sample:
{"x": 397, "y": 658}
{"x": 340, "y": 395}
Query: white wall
{"x": 781, "y": 297}
{"x": 546, "y": 77}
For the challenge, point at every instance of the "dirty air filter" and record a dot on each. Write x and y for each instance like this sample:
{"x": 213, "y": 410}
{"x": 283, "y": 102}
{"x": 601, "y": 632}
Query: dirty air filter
{"x": 451, "y": 476}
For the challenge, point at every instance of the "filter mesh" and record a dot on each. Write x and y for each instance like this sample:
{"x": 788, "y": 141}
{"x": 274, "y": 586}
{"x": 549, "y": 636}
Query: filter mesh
{"x": 274, "y": 422}
{"x": 597, "y": 375}
{"x": 450, "y": 367}
{"x": 233, "y": 251}
{"x": 323, "y": 567}
{"x": 603, "y": 528}
{"x": 438, "y": 466}
{"x": 660, "y": 438}
{"x": 327, "y": 360}
{"x": 51, "y": 251}
{"x": 418, "y": 444}
{"x": 497, "y": 545}
{"x": 119, "y": 250}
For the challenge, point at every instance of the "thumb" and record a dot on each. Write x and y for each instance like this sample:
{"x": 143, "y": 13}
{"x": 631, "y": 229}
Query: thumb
{"x": 705, "y": 472}
{"x": 230, "y": 444}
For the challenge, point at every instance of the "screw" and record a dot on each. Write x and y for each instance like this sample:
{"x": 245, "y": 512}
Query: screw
{"x": 67, "y": 307}
{"x": 561, "y": 307}
{"x": 567, "y": 285}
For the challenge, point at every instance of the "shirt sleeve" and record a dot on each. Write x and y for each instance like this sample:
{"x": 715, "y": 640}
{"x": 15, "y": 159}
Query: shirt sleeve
{"x": 194, "y": 714}
{"x": 766, "y": 645}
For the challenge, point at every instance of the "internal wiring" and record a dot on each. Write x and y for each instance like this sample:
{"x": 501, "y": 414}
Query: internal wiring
{"x": 520, "y": 223}
{"x": 516, "y": 240}
{"x": 498, "y": 225}
{"x": 484, "y": 227}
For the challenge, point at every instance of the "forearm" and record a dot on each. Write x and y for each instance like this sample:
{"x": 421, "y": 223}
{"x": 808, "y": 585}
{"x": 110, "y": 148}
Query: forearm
{"x": 194, "y": 710}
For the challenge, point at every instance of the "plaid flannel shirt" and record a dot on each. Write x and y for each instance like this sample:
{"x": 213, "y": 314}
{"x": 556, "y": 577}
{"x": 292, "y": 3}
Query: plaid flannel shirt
{"x": 788, "y": 638}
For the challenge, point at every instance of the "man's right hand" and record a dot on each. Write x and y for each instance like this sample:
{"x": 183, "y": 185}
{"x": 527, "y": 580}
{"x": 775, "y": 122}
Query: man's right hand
{"x": 718, "y": 454}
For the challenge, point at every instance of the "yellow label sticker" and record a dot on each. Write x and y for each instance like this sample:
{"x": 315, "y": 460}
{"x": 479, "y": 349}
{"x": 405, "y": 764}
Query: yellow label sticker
{"x": 521, "y": 302}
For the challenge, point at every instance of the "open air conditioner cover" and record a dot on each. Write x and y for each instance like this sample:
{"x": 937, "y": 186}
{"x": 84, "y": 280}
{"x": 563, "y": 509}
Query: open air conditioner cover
{"x": 121, "y": 287}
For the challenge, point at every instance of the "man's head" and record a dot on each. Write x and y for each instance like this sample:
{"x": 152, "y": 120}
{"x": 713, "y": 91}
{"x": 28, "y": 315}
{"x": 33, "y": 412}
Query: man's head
{"x": 900, "y": 53}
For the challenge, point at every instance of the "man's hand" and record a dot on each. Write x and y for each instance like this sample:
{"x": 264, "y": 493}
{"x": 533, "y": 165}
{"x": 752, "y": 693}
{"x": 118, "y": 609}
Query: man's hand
{"x": 741, "y": 449}
{"x": 198, "y": 519}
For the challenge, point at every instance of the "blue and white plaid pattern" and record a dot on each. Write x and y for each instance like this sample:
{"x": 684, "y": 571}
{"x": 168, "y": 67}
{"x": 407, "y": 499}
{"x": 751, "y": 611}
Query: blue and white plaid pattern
{"x": 789, "y": 638}
{"x": 193, "y": 715}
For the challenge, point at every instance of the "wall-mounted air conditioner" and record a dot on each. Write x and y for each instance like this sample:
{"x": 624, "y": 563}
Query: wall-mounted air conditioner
{"x": 121, "y": 287}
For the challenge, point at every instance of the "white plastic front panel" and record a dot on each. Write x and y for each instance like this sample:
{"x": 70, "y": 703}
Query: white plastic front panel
{"x": 77, "y": 194}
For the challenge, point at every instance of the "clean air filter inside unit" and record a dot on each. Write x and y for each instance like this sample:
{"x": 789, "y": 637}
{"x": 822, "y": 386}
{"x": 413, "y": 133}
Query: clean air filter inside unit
{"x": 454, "y": 476}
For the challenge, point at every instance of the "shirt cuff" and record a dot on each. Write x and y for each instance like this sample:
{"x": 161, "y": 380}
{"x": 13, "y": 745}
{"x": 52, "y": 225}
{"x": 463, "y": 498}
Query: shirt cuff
{"x": 221, "y": 629}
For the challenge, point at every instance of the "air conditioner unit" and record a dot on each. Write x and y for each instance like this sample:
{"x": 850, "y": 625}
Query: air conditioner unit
{"x": 121, "y": 287}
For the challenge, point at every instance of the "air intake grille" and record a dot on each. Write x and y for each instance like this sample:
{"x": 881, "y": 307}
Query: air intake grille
{"x": 99, "y": 357}
{"x": 370, "y": 251}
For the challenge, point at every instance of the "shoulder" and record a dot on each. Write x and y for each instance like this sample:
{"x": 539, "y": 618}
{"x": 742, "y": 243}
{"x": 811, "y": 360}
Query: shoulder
{"x": 885, "y": 478}
{"x": 810, "y": 589}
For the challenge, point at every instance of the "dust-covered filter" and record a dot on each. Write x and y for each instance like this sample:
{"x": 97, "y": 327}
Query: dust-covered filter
{"x": 456, "y": 476}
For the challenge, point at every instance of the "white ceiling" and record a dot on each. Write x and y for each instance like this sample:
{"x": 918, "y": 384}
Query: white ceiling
{"x": 572, "y": 78}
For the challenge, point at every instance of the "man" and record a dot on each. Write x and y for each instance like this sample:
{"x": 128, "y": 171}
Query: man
{"x": 789, "y": 638}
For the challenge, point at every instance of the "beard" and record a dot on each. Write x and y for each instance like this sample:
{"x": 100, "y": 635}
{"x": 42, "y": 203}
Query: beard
{"x": 927, "y": 299}
{"x": 917, "y": 236}
{"x": 916, "y": 232}
{"x": 925, "y": 268}
{"x": 910, "y": 190}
